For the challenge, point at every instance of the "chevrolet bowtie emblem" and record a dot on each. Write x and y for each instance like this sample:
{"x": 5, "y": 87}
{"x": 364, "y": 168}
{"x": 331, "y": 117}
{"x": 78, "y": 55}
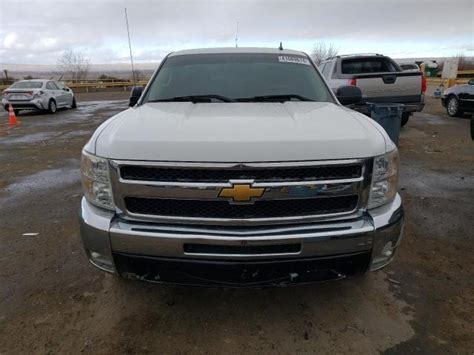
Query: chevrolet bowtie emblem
{"x": 242, "y": 192}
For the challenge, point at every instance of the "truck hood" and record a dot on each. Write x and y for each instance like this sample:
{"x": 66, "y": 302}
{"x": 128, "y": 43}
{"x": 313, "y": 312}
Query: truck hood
{"x": 238, "y": 132}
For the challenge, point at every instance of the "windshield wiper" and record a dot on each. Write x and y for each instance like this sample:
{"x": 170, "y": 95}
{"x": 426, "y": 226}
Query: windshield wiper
{"x": 195, "y": 98}
{"x": 278, "y": 98}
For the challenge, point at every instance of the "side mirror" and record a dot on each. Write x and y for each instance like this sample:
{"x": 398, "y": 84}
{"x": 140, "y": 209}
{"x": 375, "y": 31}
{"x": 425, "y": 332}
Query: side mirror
{"x": 349, "y": 95}
{"x": 135, "y": 95}
{"x": 470, "y": 82}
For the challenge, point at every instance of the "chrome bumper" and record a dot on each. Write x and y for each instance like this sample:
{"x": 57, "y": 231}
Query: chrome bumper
{"x": 377, "y": 234}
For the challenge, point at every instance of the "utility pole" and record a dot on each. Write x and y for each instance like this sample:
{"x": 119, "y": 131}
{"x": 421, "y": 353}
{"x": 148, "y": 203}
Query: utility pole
{"x": 237, "y": 35}
{"x": 130, "y": 47}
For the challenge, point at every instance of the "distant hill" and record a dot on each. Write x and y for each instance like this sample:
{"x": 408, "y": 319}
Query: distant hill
{"x": 93, "y": 67}
{"x": 47, "y": 71}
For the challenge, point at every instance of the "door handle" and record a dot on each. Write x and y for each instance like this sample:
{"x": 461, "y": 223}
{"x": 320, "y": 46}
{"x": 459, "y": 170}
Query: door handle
{"x": 389, "y": 79}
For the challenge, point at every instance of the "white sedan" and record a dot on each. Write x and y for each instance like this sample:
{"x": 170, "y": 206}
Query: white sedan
{"x": 38, "y": 95}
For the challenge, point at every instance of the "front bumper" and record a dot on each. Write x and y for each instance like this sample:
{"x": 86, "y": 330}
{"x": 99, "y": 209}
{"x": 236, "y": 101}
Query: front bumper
{"x": 250, "y": 256}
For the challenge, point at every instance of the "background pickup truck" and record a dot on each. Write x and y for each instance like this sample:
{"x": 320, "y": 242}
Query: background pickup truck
{"x": 380, "y": 80}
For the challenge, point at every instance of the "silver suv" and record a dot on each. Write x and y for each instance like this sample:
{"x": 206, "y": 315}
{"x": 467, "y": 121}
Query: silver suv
{"x": 38, "y": 95}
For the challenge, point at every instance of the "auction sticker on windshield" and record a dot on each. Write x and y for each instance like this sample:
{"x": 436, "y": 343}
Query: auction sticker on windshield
{"x": 290, "y": 59}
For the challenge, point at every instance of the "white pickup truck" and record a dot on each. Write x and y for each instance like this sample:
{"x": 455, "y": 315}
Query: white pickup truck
{"x": 240, "y": 167}
{"x": 380, "y": 79}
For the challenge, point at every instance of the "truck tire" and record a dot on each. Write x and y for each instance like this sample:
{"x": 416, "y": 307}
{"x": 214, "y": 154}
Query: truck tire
{"x": 52, "y": 108}
{"x": 405, "y": 118}
{"x": 452, "y": 107}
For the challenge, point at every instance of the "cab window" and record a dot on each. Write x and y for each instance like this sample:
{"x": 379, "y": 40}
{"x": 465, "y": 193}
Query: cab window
{"x": 367, "y": 65}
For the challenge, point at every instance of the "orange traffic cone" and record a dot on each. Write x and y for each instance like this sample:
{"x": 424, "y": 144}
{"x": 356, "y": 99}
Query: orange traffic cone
{"x": 11, "y": 116}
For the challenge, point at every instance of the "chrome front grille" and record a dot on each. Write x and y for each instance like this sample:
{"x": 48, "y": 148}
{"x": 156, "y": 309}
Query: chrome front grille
{"x": 259, "y": 209}
{"x": 240, "y": 172}
{"x": 190, "y": 192}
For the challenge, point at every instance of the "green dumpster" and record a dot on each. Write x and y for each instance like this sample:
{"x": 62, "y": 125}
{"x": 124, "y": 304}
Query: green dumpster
{"x": 431, "y": 72}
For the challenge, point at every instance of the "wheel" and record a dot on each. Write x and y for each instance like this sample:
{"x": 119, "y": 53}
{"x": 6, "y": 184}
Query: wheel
{"x": 74, "y": 103}
{"x": 405, "y": 118}
{"x": 452, "y": 107}
{"x": 16, "y": 112}
{"x": 52, "y": 108}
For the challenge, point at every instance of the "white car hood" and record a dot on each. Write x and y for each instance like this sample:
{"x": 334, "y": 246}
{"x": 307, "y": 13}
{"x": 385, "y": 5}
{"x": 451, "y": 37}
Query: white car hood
{"x": 238, "y": 132}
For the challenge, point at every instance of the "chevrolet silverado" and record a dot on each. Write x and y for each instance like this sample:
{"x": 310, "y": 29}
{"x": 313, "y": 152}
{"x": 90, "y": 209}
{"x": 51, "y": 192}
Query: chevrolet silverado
{"x": 240, "y": 167}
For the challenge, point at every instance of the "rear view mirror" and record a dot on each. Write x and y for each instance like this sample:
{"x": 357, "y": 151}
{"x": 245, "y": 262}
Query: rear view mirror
{"x": 135, "y": 95}
{"x": 349, "y": 95}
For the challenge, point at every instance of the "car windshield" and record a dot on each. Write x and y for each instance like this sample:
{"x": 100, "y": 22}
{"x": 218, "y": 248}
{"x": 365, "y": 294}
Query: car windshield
{"x": 27, "y": 85}
{"x": 230, "y": 77}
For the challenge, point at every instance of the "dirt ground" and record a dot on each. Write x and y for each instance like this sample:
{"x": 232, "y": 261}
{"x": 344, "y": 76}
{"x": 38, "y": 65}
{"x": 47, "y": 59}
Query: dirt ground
{"x": 52, "y": 301}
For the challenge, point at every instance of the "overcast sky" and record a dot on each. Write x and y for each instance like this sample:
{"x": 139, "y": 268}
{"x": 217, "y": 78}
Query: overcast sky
{"x": 37, "y": 32}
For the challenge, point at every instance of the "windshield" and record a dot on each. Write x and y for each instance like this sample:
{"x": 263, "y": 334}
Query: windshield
{"x": 227, "y": 77}
{"x": 27, "y": 85}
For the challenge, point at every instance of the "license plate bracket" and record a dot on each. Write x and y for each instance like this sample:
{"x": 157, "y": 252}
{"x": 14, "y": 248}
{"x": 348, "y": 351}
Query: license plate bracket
{"x": 18, "y": 97}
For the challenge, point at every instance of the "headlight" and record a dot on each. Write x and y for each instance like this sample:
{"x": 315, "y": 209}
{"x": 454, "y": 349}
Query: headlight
{"x": 96, "y": 181}
{"x": 384, "y": 179}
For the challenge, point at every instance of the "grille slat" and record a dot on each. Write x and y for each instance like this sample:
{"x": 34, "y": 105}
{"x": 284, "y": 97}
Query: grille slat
{"x": 223, "y": 209}
{"x": 310, "y": 173}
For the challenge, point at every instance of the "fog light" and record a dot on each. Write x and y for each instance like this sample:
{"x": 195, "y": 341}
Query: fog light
{"x": 387, "y": 253}
{"x": 385, "y": 256}
{"x": 101, "y": 261}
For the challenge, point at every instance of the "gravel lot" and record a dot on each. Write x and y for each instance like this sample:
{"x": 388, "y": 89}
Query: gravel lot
{"x": 53, "y": 301}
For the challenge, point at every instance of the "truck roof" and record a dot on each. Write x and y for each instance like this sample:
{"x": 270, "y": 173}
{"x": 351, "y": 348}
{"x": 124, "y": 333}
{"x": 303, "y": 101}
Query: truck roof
{"x": 237, "y": 50}
{"x": 356, "y": 55}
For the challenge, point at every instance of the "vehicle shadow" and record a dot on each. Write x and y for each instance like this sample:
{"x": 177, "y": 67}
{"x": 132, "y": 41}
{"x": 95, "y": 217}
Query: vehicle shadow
{"x": 33, "y": 113}
{"x": 334, "y": 311}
